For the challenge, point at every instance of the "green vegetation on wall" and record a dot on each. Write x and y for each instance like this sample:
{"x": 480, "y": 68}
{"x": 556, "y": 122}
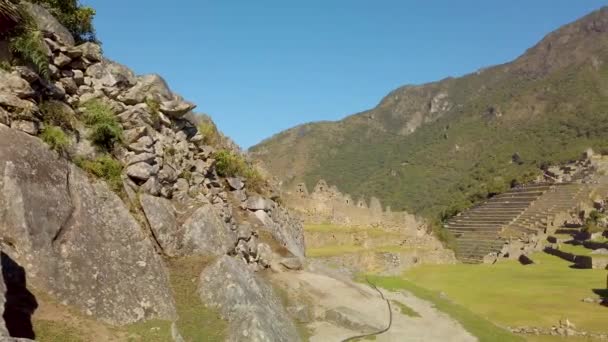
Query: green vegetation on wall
{"x": 76, "y": 18}
{"x": 231, "y": 164}
{"x": 106, "y": 131}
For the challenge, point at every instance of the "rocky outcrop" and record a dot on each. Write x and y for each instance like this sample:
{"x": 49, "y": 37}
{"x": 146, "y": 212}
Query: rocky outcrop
{"x": 254, "y": 311}
{"x": 202, "y": 232}
{"x": 47, "y": 22}
{"x": 75, "y": 237}
{"x": 88, "y": 248}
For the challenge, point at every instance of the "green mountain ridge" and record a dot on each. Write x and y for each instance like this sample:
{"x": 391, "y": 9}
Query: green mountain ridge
{"x": 440, "y": 147}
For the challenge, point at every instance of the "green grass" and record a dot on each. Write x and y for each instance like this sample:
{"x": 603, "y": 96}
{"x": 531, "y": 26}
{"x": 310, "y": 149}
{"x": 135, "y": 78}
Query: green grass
{"x": 337, "y": 229}
{"x": 56, "y": 138}
{"x": 577, "y": 250}
{"x": 104, "y": 167}
{"x": 231, "y": 164}
{"x": 480, "y": 327}
{"x": 406, "y": 310}
{"x": 510, "y": 294}
{"x": 105, "y": 130}
{"x": 51, "y": 331}
{"x": 196, "y": 323}
{"x": 149, "y": 331}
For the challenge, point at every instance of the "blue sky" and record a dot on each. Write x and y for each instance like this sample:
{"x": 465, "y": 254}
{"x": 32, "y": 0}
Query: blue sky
{"x": 259, "y": 67}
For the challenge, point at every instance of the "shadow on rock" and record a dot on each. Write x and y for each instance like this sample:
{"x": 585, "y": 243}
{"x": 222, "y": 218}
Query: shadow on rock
{"x": 20, "y": 303}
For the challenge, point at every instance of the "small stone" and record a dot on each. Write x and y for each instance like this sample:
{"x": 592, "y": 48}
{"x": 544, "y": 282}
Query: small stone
{"x": 235, "y": 183}
{"x": 61, "y": 60}
{"x": 140, "y": 171}
{"x": 257, "y": 202}
{"x": 142, "y": 157}
{"x": 28, "y": 127}
{"x": 69, "y": 85}
{"x": 78, "y": 77}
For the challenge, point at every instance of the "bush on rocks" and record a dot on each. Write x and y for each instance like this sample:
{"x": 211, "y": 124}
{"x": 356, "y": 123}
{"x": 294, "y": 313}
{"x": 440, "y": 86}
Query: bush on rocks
{"x": 104, "y": 167}
{"x": 56, "y": 138}
{"x": 76, "y": 18}
{"x": 27, "y": 44}
{"x": 106, "y": 131}
{"x": 57, "y": 114}
{"x": 230, "y": 164}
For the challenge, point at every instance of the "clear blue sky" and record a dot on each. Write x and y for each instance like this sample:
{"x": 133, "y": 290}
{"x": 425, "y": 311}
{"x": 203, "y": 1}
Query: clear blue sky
{"x": 258, "y": 67}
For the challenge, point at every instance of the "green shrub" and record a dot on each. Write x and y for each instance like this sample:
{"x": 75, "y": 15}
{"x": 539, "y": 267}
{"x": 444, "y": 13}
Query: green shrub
{"x": 592, "y": 222}
{"x": 446, "y": 238}
{"x": 230, "y": 164}
{"x": 54, "y": 113}
{"x": 154, "y": 108}
{"x": 56, "y": 138}
{"x": 76, "y": 18}
{"x": 106, "y": 131}
{"x": 209, "y": 132}
{"x": 104, "y": 167}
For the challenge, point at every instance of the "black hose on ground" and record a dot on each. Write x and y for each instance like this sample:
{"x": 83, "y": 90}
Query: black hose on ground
{"x": 390, "y": 313}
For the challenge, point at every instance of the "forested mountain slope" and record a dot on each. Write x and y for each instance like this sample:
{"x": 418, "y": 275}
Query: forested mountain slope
{"x": 442, "y": 146}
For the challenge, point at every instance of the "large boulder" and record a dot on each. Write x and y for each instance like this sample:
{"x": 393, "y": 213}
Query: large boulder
{"x": 13, "y": 83}
{"x": 285, "y": 228}
{"x": 48, "y": 23}
{"x": 75, "y": 238}
{"x": 111, "y": 74}
{"x": 152, "y": 85}
{"x": 254, "y": 311}
{"x": 203, "y": 232}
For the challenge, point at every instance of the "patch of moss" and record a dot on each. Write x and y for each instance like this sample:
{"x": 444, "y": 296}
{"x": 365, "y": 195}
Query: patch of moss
{"x": 54, "y": 113}
{"x": 406, "y": 310}
{"x": 56, "y": 138}
{"x": 106, "y": 131}
{"x": 196, "y": 322}
{"x": 149, "y": 331}
{"x": 230, "y": 164}
{"x": 53, "y": 331}
{"x": 104, "y": 167}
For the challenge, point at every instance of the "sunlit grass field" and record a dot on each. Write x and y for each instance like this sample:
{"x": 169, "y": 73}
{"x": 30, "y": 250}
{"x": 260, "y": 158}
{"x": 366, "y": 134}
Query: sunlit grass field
{"x": 514, "y": 295}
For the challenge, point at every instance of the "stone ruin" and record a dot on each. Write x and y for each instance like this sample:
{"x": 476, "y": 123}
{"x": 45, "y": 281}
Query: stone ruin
{"x": 326, "y": 203}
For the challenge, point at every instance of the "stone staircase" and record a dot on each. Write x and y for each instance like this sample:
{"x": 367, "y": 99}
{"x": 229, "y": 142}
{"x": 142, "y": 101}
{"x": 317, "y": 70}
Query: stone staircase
{"x": 478, "y": 230}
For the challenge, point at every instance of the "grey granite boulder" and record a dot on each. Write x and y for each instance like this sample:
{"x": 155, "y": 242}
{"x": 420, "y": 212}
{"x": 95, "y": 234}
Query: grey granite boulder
{"x": 75, "y": 238}
{"x": 202, "y": 232}
{"x": 111, "y": 74}
{"x": 48, "y": 23}
{"x": 247, "y": 302}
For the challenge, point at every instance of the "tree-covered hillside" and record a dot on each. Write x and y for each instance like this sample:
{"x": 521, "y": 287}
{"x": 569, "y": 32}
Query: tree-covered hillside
{"x": 437, "y": 148}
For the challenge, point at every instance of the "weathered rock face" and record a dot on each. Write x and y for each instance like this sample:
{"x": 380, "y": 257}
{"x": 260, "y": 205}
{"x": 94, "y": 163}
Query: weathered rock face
{"x": 46, "y": 22}
{"x": 75, "y": 237}
{"x": 203, "y": 232}
{"x": 254, "y": 311}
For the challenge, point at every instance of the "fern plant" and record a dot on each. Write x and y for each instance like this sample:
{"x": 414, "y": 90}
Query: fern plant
{"x": 26, "y": 41}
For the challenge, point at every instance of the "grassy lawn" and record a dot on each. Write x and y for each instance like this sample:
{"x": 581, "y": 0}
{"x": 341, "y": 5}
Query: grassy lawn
{"x": 335, "y": 250}
{"x": 331, "y": 250}
{"x": 514, "y": 295}
{"x": 482, "y": 328}
{"x": 333, "y": 229}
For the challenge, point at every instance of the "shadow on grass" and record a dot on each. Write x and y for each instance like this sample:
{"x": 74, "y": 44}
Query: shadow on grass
{"x": 603, "y": 293}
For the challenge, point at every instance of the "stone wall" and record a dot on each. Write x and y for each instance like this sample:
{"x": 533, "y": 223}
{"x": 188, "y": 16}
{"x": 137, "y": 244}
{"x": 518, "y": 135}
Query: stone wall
{"x": 326, "y": 204}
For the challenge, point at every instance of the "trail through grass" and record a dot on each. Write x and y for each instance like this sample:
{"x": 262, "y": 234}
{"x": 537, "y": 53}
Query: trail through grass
{"x": 515, "y": 295}
{"x": 482, "y": 328}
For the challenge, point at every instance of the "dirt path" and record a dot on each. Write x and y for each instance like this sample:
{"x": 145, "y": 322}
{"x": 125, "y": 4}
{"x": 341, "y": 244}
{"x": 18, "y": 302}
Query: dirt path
{"x": 342, "y": 309}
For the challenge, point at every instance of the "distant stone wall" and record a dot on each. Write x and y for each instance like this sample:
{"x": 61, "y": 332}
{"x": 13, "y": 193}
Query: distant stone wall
{"x": 326, "y": 204}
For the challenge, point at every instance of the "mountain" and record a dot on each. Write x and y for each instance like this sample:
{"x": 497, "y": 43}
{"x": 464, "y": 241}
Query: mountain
{"x": 440, "y": 147}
